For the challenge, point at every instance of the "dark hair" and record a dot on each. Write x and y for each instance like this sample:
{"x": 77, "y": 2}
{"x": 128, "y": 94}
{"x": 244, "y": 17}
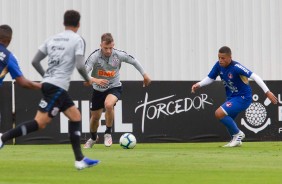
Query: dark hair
{"x": 107, "y": 37}
{"x": 71, "y": 18}
{"x": 225, "y": 50}
{"x": 5, "y": 32}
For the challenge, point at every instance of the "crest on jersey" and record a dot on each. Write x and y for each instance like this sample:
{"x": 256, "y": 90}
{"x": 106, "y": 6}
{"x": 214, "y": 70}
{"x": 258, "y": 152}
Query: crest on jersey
{"x": 230, "y": 76}
{"x": 228, "y": 104}
{"x": 115, "y": 61}
{"x": 99, "y": 64}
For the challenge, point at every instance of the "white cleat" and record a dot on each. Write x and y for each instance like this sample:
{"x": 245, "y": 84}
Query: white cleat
{"x": 108, "y": 141}
{"x": 236, "y": 140}
{"x": 89, "y": 143}
{"x": 229, "y": 146}
{"x": 226, "y": 145}
{"x": 85, "y": 163}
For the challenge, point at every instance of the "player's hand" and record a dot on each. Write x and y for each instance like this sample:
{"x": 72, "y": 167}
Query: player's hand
{"x": 87, "y": 84}
{"x": 39, "y": 84}
{"x": 272, "y": 97}
{"x": 102, "y": 82}
{"x": 195, "y": 87}
{"x": 147, "y": 81}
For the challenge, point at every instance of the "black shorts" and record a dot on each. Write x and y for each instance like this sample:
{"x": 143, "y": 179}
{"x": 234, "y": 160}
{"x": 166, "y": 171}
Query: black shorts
{"x": 55, "y": 100}
{"x": 98, "y": 98}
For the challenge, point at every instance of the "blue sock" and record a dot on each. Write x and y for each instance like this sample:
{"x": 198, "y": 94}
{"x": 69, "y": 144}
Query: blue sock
{"x": 230, "y": 125}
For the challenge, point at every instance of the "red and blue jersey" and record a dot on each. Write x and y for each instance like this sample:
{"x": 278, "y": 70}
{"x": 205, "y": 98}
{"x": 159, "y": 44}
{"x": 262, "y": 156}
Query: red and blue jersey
{"x": 8, "y": 60}
{"x": 235, "y": 79}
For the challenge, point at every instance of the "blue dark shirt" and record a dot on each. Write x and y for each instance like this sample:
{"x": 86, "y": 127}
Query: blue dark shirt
{"x": 7, "y": 59}
{"x": 234, "y": 77}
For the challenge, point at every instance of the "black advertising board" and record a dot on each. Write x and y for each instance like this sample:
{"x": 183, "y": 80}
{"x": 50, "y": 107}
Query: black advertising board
{"x": 6, "y": 111}
{"x": 166, "y": 111}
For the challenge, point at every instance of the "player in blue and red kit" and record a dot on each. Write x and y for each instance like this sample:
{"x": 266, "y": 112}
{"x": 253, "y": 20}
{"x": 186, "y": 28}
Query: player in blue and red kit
{"x": 9, "y": 63}
{"x": 238, "y": 91}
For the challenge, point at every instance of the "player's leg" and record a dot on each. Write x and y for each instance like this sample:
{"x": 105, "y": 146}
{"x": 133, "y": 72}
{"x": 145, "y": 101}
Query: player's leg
{"x": 63, "y": 103}
{"x": 74, "y": 116}
{"x": 94, "y": 120}
{"x": 109, "y": 111}
{"x": 229, "y": 123}
{"x": 231, "y": 127}
{"x": 109, "y": 116}
{"x": 113, "y": 96}
{"x": 25, "y": 128}
{"x": 74, "y": 124}
{"x": 58, "y": 100}
{"x": 96, "y": 107}
{"x": 226, "y": 114}
{"x": 39, "y": 122}
{"x": 94, "y": 124}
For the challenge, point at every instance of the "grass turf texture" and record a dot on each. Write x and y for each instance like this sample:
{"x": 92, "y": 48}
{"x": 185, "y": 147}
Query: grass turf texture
{"x": 254, "y": 163}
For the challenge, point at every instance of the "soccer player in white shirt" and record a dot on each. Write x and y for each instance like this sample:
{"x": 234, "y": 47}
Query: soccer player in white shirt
{"x": 65, "y": 51}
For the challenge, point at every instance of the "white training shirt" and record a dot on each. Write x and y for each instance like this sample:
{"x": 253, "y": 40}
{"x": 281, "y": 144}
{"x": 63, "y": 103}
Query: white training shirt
{"x": 61, "y": 50}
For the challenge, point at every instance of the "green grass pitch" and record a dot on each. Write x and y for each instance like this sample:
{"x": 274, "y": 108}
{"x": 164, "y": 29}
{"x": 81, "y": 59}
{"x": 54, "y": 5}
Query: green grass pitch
{"x": 175, "y": 163}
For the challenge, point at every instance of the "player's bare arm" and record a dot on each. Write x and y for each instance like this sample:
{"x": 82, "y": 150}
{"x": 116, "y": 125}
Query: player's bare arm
{"x": 25, "y": 83}
{"x": 271, "y": 97}
{"x": 147, "y": 81}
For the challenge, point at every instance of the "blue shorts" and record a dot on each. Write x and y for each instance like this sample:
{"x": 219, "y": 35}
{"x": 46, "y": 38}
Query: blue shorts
{"x": 235, "y": 105}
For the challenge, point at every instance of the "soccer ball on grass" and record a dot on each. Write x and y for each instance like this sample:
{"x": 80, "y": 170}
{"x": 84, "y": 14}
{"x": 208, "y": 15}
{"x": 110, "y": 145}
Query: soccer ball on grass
{"x": 127, "y": 141}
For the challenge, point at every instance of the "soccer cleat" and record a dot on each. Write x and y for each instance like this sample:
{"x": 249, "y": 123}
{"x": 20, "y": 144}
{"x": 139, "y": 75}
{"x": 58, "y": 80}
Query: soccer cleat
{"x": 108, "y": 141}
{"x": 236, "y": 140}
{"x": 228, "y": 145}
{"x": 90, "y": 142}
{"x": 85, "y": 163}
{"x": 1, "y": 142}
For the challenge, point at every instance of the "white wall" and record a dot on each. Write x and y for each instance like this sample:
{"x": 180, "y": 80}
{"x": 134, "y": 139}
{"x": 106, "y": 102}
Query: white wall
{"x": 173, "y": 39}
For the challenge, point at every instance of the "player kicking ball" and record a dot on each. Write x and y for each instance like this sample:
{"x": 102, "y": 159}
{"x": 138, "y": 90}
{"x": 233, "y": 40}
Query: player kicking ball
{"x": 238, "y": 91}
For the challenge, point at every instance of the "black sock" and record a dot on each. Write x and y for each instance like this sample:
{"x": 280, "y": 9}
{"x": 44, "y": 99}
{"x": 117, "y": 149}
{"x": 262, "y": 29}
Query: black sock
{"x": 93, "y": 135}
{"x": 74, "y": 134}
{"x": 20, "y": 130}
{"x": 108, "y": 130}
